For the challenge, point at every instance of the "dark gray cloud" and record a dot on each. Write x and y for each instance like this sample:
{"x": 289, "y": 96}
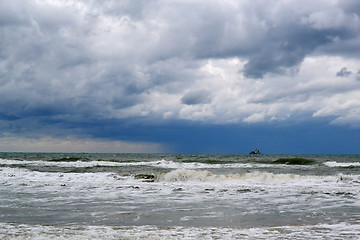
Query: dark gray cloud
{"x": 350, "y": 6}
{"x": 343, "y": 72}
{"x": 196, "y": 97}
{"x": 286, "y": 48}
{"x": 81, "y": 61}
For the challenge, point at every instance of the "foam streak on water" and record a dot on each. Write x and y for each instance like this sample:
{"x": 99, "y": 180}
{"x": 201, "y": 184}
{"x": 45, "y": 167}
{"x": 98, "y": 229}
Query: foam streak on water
{"x": 320, "y": 231}
{"x": 177, "y": 196}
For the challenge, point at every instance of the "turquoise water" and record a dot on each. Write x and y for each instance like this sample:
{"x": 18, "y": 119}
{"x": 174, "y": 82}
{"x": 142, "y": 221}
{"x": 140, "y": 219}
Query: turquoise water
{"x": 179, "y": 196}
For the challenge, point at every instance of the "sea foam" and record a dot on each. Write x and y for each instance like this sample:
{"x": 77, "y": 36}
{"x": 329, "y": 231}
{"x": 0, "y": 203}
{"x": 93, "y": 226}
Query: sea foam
{"x": 320, "y": 231}
{"x": 342, "y": 164}
{"x": 186, "y": 175}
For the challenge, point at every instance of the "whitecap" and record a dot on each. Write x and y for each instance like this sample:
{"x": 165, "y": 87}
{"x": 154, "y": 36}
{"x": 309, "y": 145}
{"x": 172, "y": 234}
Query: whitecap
{"x": 342, "y": 164}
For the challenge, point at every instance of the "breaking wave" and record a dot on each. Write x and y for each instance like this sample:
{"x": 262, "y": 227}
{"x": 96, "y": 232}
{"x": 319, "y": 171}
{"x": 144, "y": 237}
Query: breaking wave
{"x": 342, "y": 164}
{"x": 77, "y": 163}
{"x": 186, "y": 175}
{"x": 341, "y": 230}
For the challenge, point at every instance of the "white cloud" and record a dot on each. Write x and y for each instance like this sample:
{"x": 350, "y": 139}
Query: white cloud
{"x": 330, "y": 18}
{"x": 314, "y": 91}
{"x": 254, "y": 118}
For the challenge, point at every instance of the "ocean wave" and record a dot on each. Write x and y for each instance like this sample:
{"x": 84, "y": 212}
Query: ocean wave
{"x": 185, "y": 187}
{"x": 187, "y": 175}
{"x": 191, "y": 176}
{"x": 169, "y": 164}
{"x": 341, "y": 230}
{"x": 342, "y": 164}
{"x": 76, "y": 163}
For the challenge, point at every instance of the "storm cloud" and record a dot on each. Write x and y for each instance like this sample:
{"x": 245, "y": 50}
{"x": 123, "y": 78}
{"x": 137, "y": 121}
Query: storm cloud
{"x": 196, "y": 97}
{"x": 68, "y": 65}
{"x": 343, "y": 72}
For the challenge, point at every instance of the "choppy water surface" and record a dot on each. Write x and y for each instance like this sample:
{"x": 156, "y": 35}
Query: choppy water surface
{"x": 142, "y": 196}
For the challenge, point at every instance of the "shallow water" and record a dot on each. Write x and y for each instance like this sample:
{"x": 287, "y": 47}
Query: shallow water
{"x": 116, "y": 196}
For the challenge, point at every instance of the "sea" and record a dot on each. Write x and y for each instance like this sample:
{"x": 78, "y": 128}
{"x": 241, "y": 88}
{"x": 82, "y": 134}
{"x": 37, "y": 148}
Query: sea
{"x": 179, "y": 196}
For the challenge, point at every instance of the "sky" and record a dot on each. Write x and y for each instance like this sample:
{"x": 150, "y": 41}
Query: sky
{"x": 180, "y": 76}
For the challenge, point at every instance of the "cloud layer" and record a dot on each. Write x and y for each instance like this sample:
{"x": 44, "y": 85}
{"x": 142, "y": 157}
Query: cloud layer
{"x": 70, "y": 65}
{"x": 49, "y": 144}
